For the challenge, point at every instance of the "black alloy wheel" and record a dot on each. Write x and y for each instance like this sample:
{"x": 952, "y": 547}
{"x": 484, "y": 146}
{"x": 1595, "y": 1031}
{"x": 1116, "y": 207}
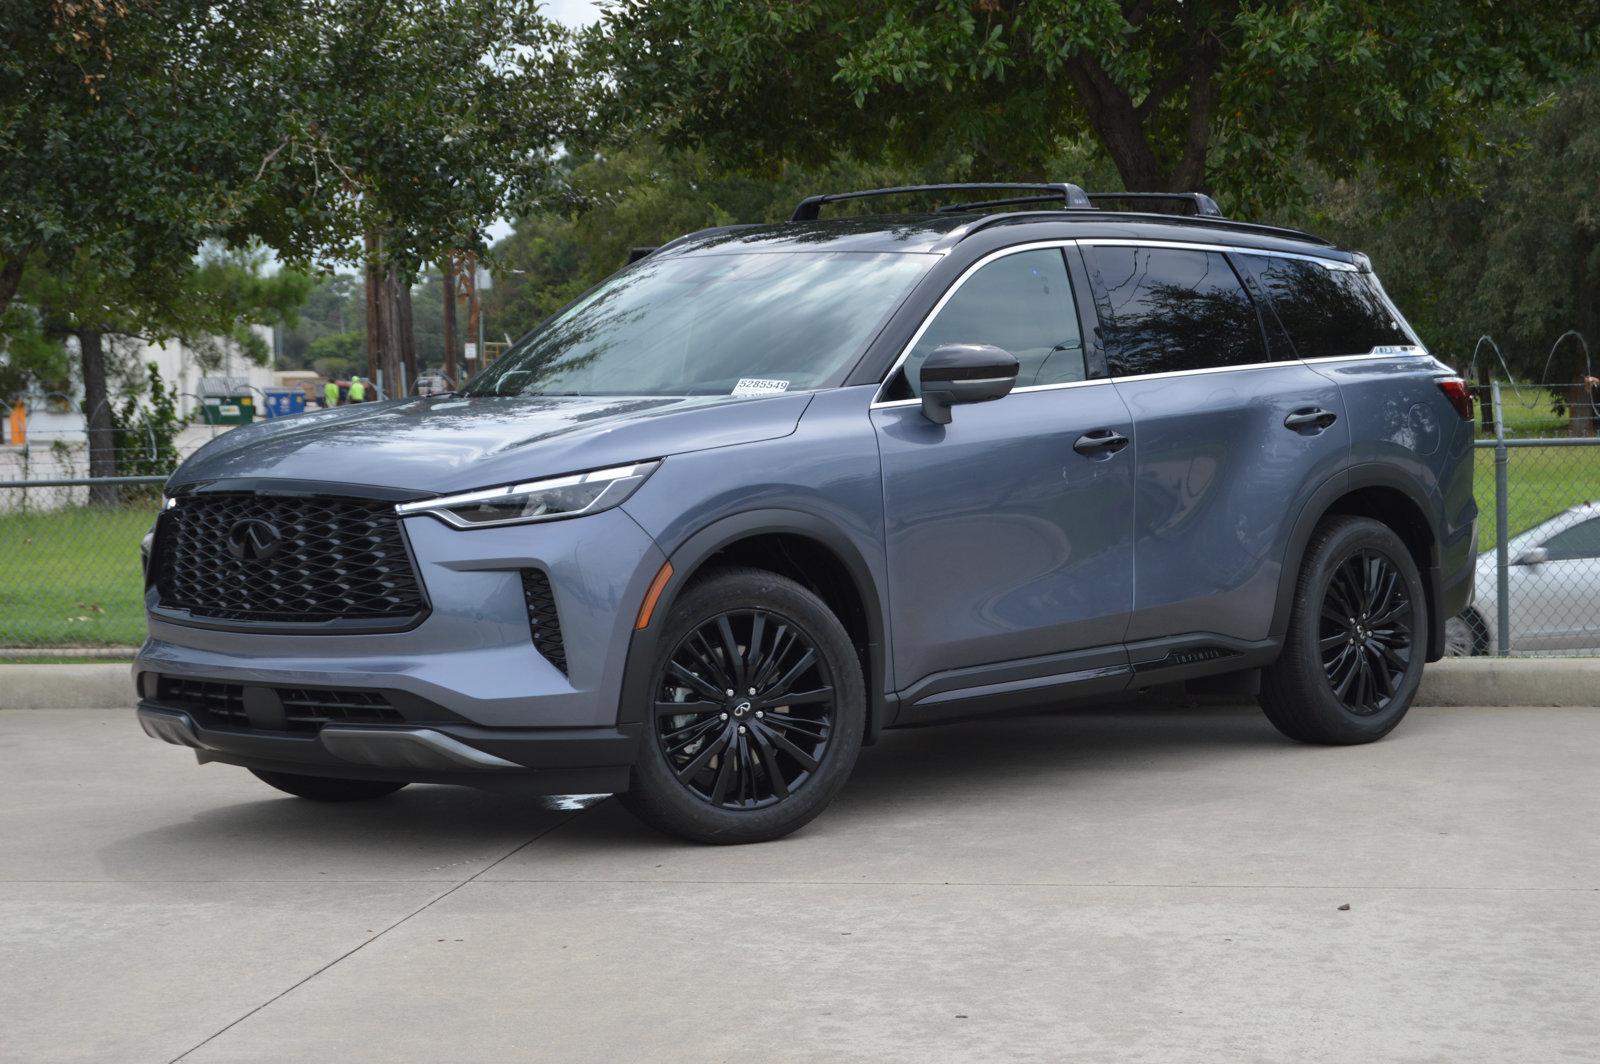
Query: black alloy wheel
{"x": 1367, "y": 626}
{"x": 744, "y": 709}
{"x": 1353, "y": 653}
{"x": 758, "y": 706}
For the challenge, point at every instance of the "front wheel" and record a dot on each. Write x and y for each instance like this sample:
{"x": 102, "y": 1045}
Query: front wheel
{"x": 757, "y": 712}
{"x": 1353, "y": 655}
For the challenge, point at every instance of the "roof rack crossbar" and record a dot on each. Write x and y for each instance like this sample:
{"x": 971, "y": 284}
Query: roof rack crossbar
{"x": 1009, "y": 201}
{"x": 1073, "y": 196}
{"x": 1204, "y": 205}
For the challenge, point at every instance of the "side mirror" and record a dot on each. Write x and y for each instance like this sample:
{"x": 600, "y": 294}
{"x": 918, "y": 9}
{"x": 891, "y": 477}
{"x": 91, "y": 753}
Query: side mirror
{"x": 964, "y": 373}
{"x": 1533, "y": 556}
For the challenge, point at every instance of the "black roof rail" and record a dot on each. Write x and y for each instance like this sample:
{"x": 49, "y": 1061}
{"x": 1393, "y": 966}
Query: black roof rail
{"x": 1073, "y": 196}
{"x": 1204, "y": 205}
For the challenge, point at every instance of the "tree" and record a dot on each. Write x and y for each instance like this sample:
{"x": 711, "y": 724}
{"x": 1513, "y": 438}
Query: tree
{"x": 1211, "y": 95}
{"x": 212, "y": 302}
{"x": 643, "y": 195}
{"x": 134, "y": 131}
{"x": 1517, "y": 259}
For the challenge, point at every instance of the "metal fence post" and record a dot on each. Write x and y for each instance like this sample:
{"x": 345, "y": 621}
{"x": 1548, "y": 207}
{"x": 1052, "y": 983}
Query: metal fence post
{"x": 1502, "y": 522}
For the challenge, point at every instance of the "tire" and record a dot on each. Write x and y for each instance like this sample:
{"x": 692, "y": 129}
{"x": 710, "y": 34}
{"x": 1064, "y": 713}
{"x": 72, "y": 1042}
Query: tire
{"x": 1353, "y": 655}
{"x": 326, "y": 788}
{"x": 788, "y": 757}
{"x": 1465, "y": 635}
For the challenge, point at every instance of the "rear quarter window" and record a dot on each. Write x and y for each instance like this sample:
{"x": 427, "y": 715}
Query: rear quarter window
{"x": 1326, "y": 312}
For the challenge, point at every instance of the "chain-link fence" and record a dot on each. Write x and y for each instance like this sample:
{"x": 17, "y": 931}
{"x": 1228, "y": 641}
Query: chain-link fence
{"x": 70, "y": 573}
{"x": 1538, "y": 578}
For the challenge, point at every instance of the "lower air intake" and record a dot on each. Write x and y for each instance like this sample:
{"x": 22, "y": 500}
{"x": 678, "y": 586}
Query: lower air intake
{"x": 542, "y": 619}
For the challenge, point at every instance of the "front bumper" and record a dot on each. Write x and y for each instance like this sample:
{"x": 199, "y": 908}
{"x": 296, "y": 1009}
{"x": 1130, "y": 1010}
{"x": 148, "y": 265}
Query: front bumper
{"x": 534, "y": 760}
{"x": 474, "y": 653}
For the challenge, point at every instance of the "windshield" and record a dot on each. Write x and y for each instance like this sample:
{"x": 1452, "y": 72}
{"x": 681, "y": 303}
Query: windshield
{"x": 736, "y": 324}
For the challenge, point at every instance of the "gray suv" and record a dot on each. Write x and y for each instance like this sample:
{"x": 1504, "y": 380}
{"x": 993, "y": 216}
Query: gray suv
{"x": 773, "y": 489}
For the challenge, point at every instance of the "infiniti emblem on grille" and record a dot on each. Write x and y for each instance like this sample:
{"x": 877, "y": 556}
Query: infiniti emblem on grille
{"x": 254, "y": 540}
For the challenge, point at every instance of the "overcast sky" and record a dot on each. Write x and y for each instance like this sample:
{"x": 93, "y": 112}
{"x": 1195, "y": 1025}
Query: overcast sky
{"x": 573, "y": 13}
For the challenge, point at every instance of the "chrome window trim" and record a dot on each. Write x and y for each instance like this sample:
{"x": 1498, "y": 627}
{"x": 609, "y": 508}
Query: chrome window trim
{"x": 1189, "y": 245}
{"x": 999, "y": 253}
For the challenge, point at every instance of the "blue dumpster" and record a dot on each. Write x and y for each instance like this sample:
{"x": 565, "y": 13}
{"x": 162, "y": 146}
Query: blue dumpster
{"x": 281, "y": 402}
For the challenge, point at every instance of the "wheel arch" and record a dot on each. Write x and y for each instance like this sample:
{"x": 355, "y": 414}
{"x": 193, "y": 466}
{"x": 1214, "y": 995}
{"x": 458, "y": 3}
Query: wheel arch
{"x": 1386, "y": 495}
{"x": 799, "y": 545}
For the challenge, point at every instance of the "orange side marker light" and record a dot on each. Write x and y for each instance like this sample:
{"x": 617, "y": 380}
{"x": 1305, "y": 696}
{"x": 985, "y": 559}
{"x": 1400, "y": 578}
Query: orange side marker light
{"x": 658, "y": 585}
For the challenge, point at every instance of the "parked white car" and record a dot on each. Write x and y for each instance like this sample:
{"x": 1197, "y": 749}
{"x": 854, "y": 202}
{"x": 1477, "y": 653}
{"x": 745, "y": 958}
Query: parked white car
{"x": 1554, "y": 585}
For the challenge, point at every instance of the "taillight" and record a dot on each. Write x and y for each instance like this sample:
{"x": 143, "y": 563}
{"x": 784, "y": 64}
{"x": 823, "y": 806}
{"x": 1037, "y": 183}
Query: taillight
{"x": 1455, "y": 389}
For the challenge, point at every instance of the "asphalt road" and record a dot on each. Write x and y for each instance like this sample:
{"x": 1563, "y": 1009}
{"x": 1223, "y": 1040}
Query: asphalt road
{"x": 1100, "y": 885}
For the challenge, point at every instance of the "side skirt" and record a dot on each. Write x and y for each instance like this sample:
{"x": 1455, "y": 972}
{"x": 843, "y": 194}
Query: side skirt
{"x": 1077, "y": 676}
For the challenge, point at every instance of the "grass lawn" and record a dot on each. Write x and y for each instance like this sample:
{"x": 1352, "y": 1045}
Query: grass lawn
{"x": 71, "y": 577}
{"x": 1543, "y": 481}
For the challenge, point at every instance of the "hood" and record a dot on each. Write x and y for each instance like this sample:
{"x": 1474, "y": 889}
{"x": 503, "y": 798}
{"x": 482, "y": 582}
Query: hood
{"x": 447, "y": 444}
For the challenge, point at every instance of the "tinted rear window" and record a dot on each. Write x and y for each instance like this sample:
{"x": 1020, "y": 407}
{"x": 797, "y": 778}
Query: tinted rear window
{"x": 1168, "y": 309}
{"x": 1326, "y": 312}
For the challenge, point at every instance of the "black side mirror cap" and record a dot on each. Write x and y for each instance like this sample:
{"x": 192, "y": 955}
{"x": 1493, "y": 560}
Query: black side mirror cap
{"x": 964, "y": 373}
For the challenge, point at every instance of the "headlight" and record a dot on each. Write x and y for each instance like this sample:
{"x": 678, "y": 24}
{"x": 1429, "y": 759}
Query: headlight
{"x": 537, "y": 500}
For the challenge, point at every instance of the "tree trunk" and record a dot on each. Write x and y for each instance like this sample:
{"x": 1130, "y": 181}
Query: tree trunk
{"x": 97, "y": 417}
{"x": 448, "y": 273}
{"x": 11, "y": 265}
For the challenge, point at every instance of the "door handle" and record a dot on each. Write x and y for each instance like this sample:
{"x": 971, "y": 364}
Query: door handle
{"x": 1100, "y": 441}
{"x": 1310, "y": 418}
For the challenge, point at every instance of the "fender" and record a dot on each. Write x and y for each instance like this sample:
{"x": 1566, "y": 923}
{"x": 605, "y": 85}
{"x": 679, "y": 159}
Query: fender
{"x": 686, "y": 560}
{"x": 1354, "y": 478}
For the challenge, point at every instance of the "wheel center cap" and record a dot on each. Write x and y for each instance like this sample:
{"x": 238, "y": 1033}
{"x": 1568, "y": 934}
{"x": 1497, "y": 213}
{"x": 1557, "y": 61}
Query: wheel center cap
{"x": 741, "y": 708}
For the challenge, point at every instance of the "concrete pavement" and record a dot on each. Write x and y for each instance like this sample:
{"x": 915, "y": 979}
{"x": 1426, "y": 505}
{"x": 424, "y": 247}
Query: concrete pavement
{"x": 1133, "y": 884}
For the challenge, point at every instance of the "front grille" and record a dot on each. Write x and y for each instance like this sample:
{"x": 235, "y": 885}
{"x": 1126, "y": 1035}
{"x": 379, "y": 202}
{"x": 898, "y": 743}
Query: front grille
{"x": 304, "y": 709}
{"x": 326, "y": 559}
{"x": 542, "y": 618}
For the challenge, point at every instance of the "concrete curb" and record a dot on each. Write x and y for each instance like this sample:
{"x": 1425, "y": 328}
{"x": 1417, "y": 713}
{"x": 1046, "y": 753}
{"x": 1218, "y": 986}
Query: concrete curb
{"x": 66, "y": 686}
{"x": 1456, "y": 682}
{"x": 1573, "y": 682}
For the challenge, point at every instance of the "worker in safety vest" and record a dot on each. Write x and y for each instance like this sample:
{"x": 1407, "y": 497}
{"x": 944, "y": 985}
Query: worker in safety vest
{"x": 330, "y": 395}
{"x": 358, "y": 391}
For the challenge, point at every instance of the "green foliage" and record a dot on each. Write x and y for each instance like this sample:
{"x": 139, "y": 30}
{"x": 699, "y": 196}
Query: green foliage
{"x": 134, "y": 131}
{"x": 338, "y": 354}
{"x": 210, "y": 304}
{"x": 146, "y": 430}
{"x": 28, "y": 358}
{"x": 1519, "y": 259}
{"x": 643, "y": 196}
{"x": 1180, "y": 94}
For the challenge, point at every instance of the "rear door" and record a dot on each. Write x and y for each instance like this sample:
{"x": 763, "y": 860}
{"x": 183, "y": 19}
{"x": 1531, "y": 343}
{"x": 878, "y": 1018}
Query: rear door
{"x": 1231, "y": 437}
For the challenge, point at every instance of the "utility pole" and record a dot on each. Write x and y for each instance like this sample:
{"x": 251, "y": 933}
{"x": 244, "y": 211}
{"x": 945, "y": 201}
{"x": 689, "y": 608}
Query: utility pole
{"x": 469, "y": 275}
{"x": 449, "y": 285}
{"x": 374, "y": 319}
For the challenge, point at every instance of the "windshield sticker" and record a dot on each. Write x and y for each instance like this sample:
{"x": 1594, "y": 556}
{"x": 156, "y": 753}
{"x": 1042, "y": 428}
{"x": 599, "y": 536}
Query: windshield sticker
{"x": 759, "y": 386}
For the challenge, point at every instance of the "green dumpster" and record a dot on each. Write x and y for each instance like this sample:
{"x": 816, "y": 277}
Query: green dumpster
{"x": 228, "y": 410}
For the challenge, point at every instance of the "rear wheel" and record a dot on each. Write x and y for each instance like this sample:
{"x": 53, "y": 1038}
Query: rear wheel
{"x": 1353, "y": 655}
{"x": 326, "y": 788}
{"x": 757, "y": 713}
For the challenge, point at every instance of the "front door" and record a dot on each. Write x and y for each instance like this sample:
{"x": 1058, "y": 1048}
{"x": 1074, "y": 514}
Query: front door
{"x": 1009, "y": 535}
